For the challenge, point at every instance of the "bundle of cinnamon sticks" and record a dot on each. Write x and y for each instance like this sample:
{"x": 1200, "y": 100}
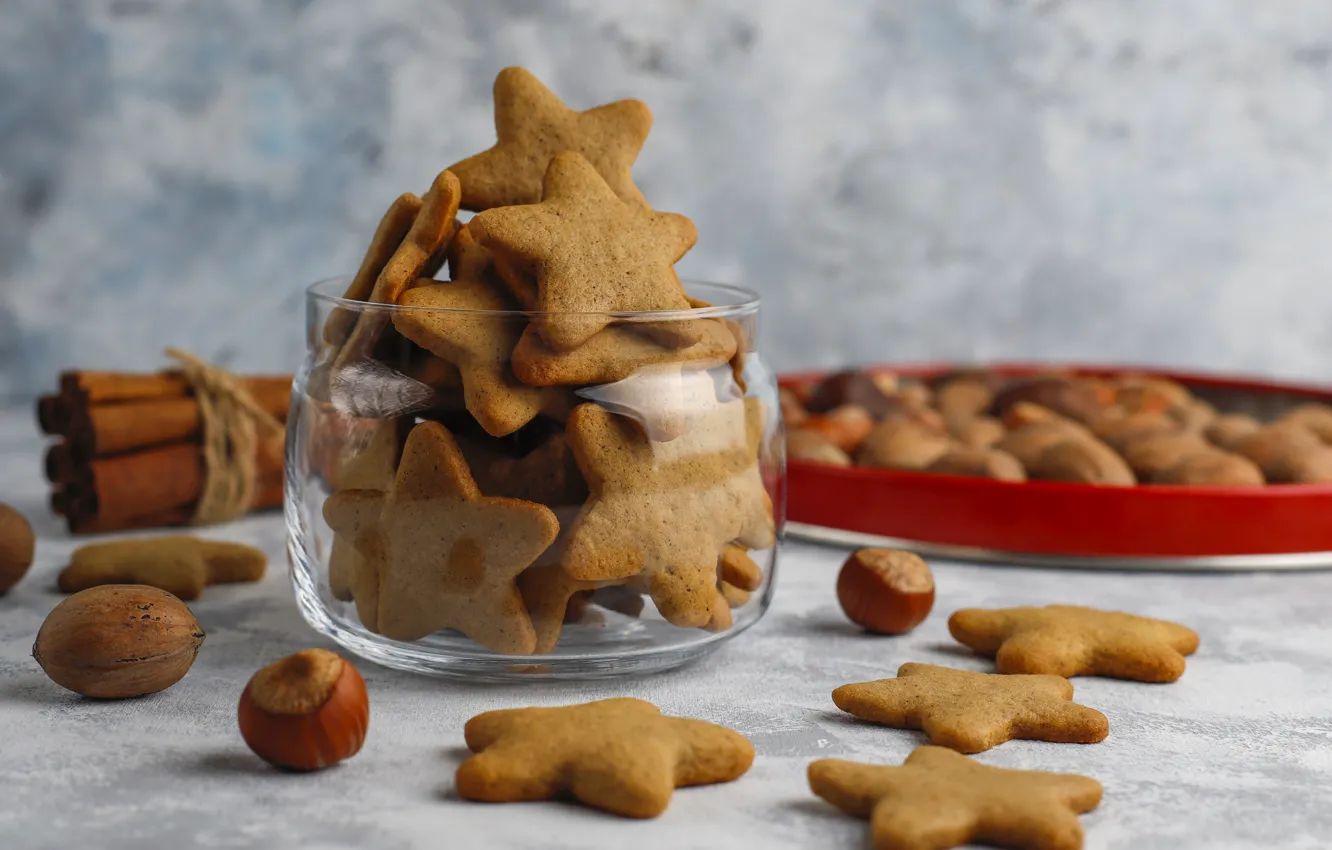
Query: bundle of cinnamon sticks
{"x": 130, "y": 456}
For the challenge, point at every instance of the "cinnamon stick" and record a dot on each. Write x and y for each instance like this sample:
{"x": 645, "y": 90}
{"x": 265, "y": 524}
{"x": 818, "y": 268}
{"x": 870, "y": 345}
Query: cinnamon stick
{"x": 59, "y": 464}
{"x": 104, "y": 387}
{"x": 100, "y": 524}
{"x": 120, "y": 488}
{"x": 103, "y": 429}
{"x": 48, "y": 415}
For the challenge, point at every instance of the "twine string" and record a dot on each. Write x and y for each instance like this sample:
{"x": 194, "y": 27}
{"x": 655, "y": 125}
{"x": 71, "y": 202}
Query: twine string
{"x": 235, "y": 429}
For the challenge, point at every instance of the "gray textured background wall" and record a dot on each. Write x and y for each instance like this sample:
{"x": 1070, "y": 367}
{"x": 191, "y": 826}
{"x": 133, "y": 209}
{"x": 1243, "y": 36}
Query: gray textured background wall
{"x": 912, "y": 179}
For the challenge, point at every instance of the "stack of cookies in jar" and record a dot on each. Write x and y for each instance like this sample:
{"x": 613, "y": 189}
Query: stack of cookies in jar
{"x": 545, "y": 419}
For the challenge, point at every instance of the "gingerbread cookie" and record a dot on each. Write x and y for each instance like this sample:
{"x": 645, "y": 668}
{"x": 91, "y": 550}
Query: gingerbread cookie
{"x": 427, "y": 239}
{"x": 734, "y": 596}
{"x": 533, "y": 125}
{"x": 972, "y": 712}
{"x": 737, "y": 569}
{"x": 478, "y": 343}
{"x": 548, "y": 474}
{"x": 939, "y": 799}
{"x": 593, "y": 254}
{"x": 1068, "y": 640}
{"x": 388, "y": 236}
{"x": 550, "y": 595}
{"x": 372, "y": 467}
{"x": 665, "y": 510}
{"x": 179, "y": 564}
{"x": 446, "y": 555}
{"x": 616, "y": 354}
{"x": 620, "y": 755}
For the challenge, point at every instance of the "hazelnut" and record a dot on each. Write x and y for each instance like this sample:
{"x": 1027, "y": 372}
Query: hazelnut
{"x": 851, "y": 387}
{"x": 1228, "y": 429}
{"x": 845, "y": 426}
{"x": 979, "y": 463}
{"x": 885, "y": 590}
{"x": 16, "y": 547}
{"x": 803, "y": 444}
{"x": 963, "y": 399}
{"x": 903, "y": 443}
{"x": 1315, "y": 417}
{"x": 1069, "y": 397}
{"x": 118, "y": 640}
{"x": 980, "y": 432}
{"x": 305, "y": 712}
{"x": 1082, "y": 461}
{"x": 1212, "y": 468}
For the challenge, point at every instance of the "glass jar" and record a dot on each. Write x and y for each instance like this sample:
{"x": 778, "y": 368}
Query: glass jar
{"x": 465, "y": 499}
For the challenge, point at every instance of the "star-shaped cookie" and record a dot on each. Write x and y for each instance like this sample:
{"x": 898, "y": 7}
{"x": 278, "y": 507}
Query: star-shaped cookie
{"x": 397, "y": 220}
{"x": 532, "y": 126}
{"x": 661, "y": 512}
{"x": 617, "y": 354}
{"x": 425, "y": 241}
{"x": 1069, "y": 640}
{"x": 939, "y": 799}
{"x": 548, "y": 592}
{"x": 620, "y": 755}
{"x": 467, "y": 326}
{"x": 972, "y": 712}
{"x": 350, "y": 576}
{"x": 593, "y": 254}
{"x": 446, "y": 555}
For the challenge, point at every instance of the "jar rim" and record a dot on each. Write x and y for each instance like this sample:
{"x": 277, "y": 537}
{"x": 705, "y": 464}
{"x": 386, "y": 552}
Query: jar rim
{"x": 744, "y": 301}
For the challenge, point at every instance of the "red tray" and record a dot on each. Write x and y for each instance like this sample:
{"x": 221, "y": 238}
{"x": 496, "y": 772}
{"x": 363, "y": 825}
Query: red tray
{"x": 1058, "y": 524}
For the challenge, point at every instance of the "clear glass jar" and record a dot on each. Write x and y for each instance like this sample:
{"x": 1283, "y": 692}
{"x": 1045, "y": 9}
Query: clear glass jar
{"x": 463, "y": 499}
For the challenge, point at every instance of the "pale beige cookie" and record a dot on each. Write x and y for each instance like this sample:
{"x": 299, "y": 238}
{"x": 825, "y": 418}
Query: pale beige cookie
{"x": 458, "y": 328}
{"x": 939, "y": 799}
{"x": 533, "y": 125}
{"x": 593, "y": 254}
{"x": 447, "y": 555}
{"x": 971, "y": 712}
{"x": 665, "y": 510}
{"x": 1069, "y": 640}
{"x": 620, "y": 755}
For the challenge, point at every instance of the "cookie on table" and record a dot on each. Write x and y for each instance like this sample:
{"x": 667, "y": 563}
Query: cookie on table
{"x": 971, "y": 712}
{"x": 446, "y": 555}
{"x": 532, "y": 126}
{"x": 1070, "y": 640}
{"x": 592, "y": 254}
{"x": 620, "y": 755}
{"x": 662, "y": 512}
{"x": 939, "y": 799}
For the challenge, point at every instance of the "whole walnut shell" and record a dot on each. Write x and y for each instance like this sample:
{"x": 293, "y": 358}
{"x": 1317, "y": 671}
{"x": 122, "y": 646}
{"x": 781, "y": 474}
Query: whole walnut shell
{"x": 118, "y": 640}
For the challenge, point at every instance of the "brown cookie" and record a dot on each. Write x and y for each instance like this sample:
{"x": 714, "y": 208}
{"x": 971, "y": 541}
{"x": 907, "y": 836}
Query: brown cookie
{"x": 662, "y": 512}
{"x": 179, "y": 564}
{"x": 446, "y": 555}
{"x": 548, "y": 474}
{"x": 388, "y": 236}
{"x": 371, "y": 467}
{"x": 939, "y": 799}
{"x": 620, "y": 755}
{"x": 478, "y": 343}
{"x": 592, "y": 254}
{"x": 533, "y": 125}
{"x": 737, "y": 569}
{"x": 972, "y": 712}
{"x": 549, "y": 594}
{"x": 616, "y": 354}
{"x": 428, "y": 237}
{"x": 734, "y": 596}
{"x": 1069, "y": 640}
